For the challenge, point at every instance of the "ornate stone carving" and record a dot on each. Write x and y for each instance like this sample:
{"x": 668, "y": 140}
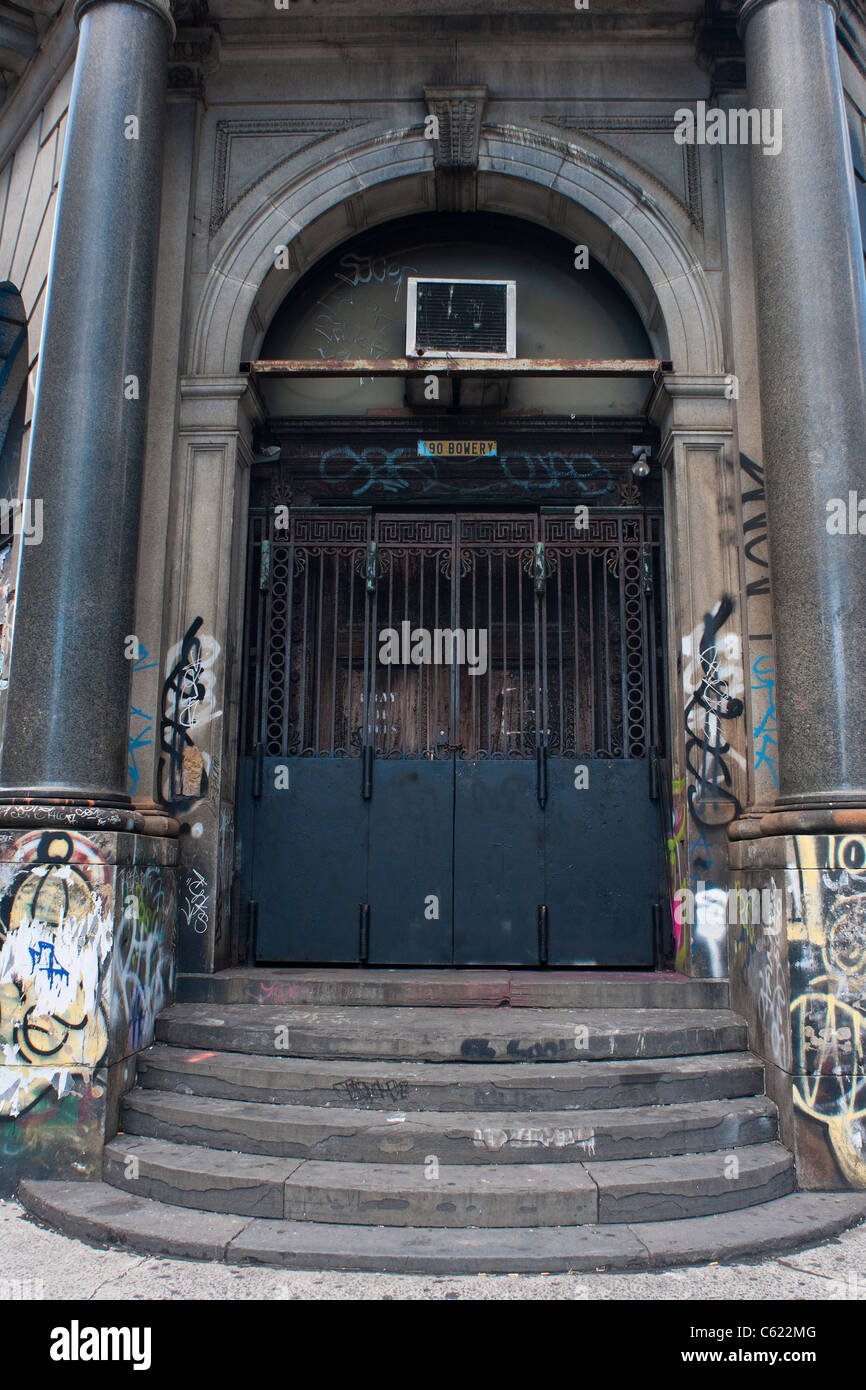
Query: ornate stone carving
{"x": 459, "y": 112}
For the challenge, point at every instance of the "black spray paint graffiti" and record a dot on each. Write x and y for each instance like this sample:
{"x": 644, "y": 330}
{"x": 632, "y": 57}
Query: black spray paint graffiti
{"x": 187, "y": 702}
{"x": 755, "y": 529}
{"x": 711, "y": 800}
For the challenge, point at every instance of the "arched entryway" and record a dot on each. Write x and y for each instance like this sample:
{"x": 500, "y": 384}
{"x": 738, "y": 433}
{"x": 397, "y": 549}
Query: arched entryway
{"x": 589, "y": 202}
{"x": 454, "y": 641}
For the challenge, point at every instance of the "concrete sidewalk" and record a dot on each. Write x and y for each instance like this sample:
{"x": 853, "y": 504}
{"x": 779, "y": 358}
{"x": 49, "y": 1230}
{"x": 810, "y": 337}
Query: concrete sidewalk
{"x": 35, "y": 1262}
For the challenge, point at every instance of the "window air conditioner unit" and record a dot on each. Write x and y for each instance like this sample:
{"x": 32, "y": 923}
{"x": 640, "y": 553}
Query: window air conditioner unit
{"x": 461, "y": 318}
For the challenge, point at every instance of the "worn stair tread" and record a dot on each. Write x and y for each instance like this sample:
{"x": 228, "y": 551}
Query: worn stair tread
{"x": 103, "y": 1215}
{"x": 537, "y": 1136}
{"x": 441, "y": 1034}
{"x": 378, "y": 986}
{"x": 543, "y": 1194}
{"x": 378, "y": 1085}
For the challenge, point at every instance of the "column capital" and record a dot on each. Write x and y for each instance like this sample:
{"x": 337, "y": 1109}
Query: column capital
{"x": 159, "y": 7}
{"x": 749, "y": 8}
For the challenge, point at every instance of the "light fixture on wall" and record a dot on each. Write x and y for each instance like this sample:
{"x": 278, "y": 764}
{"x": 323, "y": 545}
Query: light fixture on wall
{"x": 641, "y": 454}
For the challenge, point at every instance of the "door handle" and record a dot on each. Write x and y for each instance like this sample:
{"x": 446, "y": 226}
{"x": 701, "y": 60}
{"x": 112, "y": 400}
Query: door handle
{"x": 367, "y": 756}
{"x": 541, "y": 775}
{"x": 258, "y": 769}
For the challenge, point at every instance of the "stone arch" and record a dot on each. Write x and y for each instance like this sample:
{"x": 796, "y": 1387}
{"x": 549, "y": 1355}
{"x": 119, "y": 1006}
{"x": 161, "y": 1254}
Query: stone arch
{"x": 389, "y": 173}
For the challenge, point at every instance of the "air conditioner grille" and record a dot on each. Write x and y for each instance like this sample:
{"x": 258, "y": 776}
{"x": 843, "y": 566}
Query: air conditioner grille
{"x": 460, "y": 316}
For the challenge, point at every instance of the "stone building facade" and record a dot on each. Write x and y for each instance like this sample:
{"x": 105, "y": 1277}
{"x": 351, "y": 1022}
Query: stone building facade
{"x": 187, "y": 193}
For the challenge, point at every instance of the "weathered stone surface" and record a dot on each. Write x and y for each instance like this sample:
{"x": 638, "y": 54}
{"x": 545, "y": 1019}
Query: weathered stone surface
{"x": 376, "y": 1194}
{"x": 446, "y": 1085}
{"x": 666, "y": 1189}
{"x": 407, "y": 1137}
{"x": 439, "y": 1035}
{"x": 98, "y": 1213}
{"x": 452, "y": 988}
{"x": 246, "y": 1184}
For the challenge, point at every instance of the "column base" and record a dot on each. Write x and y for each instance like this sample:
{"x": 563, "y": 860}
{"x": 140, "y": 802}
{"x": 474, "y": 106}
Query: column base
{"x": 87, "y": 962}
{"x": 18, "y": 811}
{"x": 797, "y": 953}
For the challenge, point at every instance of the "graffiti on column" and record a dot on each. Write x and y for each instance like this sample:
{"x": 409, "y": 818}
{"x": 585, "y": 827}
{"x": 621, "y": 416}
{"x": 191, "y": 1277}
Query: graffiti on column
{"x": 827, "y": 954}
{"x": 55, "y": 946}
{"x": 188, "y": 706}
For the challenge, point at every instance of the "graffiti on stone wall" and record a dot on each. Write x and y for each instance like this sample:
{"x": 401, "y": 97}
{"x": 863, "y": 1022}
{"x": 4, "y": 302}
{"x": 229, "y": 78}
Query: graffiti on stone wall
{"x": 758, "y": 627}
{"x": 713, "y": 690}
{"x": 194, "y": 901}
{"x": 55, "y": 945}
{"x": 766, "y": 743}
{"x": 827, "y": 953}
{"x": 713, "y": 683}
{"x": 758, "y": 955}
{"x": 188, "y": 707}
{"x": 144, "y": 953}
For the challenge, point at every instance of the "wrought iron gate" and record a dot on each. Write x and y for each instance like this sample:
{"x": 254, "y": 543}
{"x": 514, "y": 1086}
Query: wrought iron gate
{"x": 450, "y": 727}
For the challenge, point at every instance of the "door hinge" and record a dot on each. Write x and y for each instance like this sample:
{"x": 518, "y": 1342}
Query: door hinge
{"x": 364, "y": 934}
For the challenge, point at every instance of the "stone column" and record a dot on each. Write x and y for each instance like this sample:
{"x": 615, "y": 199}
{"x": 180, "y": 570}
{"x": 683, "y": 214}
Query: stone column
{"x": 811, "y": 301}
{"x": 66, "y": 727}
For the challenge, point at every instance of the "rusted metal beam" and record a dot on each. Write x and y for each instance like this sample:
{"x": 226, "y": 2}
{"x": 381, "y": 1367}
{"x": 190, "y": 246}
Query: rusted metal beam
{"x": 460, "y": 366}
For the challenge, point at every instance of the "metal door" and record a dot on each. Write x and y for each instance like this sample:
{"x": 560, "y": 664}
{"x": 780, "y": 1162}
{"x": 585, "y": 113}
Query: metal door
{"x": 449, "y": 727}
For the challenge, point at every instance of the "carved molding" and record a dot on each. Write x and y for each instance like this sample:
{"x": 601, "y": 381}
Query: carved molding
{"x": 597, "y": 126}
{"x": 459, "y": 111}
{"x": 318, "y": 128}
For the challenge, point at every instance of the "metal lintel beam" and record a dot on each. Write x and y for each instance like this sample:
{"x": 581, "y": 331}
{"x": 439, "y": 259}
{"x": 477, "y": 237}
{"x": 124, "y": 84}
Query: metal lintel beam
{"x": 464, "y": 367}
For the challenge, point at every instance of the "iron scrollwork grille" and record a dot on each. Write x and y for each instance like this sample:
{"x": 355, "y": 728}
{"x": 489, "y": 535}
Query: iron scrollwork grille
{"x": 559, "y": 625}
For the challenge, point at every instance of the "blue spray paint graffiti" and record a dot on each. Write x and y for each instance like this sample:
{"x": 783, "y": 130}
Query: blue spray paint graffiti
{"x": 139, "y": 740}
{"x": 376, "y": 468}
{"x": 764, "y": 672}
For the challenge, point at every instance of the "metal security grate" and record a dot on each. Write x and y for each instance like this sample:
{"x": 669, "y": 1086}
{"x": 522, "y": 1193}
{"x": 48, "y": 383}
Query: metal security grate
{"x": 461, "y": 316}
{"x": 570, "y": 619}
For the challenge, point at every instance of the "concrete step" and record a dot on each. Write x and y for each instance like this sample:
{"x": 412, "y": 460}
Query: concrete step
{"x": 102, "y": 1215}
{"x": 451, "y": 1035}
{"x": 504, "y": 1195}
{"x": 364, "y": 1136}
{"x": 475, "y": 989}
{"x": 410, "y": 1086}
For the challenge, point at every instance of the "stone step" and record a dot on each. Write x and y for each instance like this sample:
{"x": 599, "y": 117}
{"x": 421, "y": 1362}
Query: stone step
{"x": 102, "y": 1215}
{"x": 451, "y": 1035}
{"x": 552, "y": 989}
{"x": 504, "y": 1195}
{"x": 364, "y": 1136}
{"x": 450, "y": 1086}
